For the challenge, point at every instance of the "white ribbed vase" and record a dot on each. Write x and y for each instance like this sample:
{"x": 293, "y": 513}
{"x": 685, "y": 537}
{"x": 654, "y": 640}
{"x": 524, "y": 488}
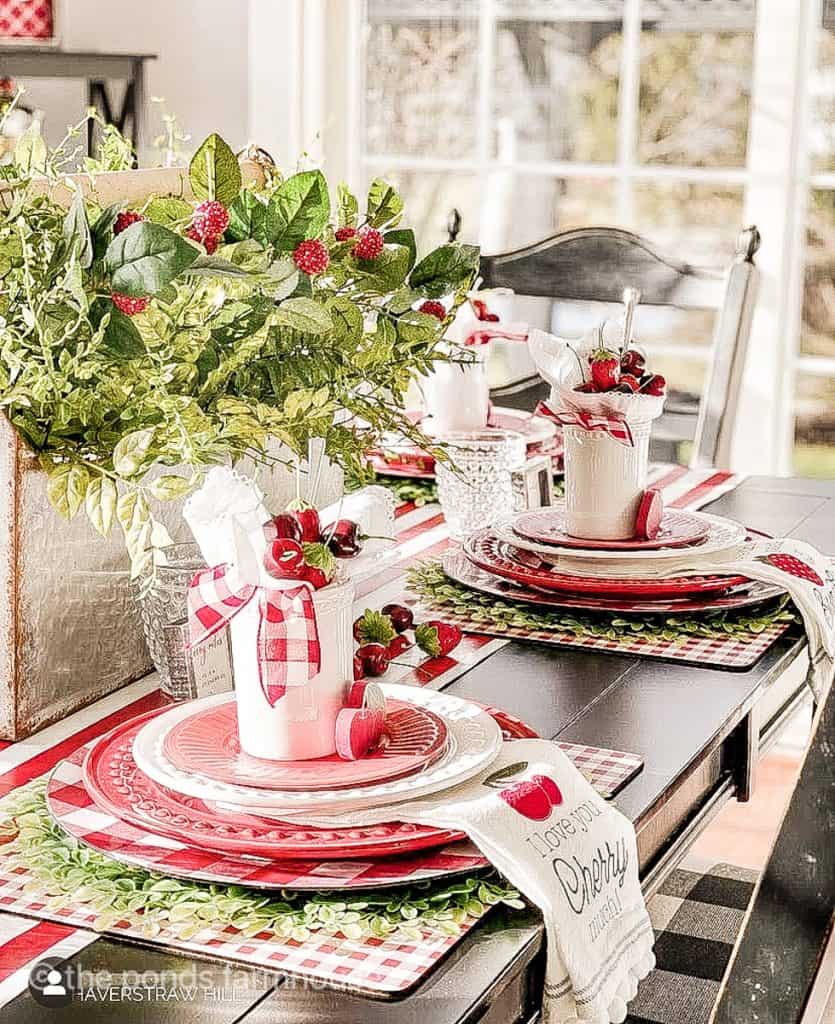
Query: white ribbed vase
{"x": 302, "y": 724}
{"x": 604, "y": 481}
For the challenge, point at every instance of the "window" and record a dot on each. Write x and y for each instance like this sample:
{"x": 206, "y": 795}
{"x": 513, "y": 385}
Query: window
{"x": 681, "y": 119}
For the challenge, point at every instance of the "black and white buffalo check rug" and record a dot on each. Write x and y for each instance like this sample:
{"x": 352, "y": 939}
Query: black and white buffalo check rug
{"x": 696, "y": 917}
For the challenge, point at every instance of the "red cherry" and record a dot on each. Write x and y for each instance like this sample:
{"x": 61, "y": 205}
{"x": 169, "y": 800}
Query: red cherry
{"x": 529, "y": 799}
{"x": 285, "y": 558}
{"x": 656, "y": 385}
{"x": 631, "y": 382}
{"x": 401, "y": 617}
{"x": 375, "y": 659}
{"x": 632, "y": 362}
{"x": 283, "y": 525}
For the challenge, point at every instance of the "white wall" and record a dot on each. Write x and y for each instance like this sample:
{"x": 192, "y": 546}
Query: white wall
{"x": 201, "y": 70}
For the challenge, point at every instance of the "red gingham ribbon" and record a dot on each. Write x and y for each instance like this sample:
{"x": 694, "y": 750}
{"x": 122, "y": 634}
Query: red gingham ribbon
{"x": 482, "y": 335}
{"x": 289, "y": 653}
{"x": 614, "y": 425}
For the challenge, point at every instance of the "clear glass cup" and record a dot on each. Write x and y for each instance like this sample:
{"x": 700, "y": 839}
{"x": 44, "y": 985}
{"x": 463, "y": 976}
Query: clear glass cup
{"x": 162, "y": 603}
{"x": 476, "y": 487}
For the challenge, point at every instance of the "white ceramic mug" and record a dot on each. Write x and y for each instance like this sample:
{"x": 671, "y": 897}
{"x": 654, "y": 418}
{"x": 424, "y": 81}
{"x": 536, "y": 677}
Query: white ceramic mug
{"x": 302, "y": 724}
{"x": 457, "y": 396}
{"x": 604, "y": 481}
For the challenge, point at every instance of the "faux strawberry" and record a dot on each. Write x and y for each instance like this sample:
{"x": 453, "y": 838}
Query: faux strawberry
{"x": 437, "y": 638}
{"x": 308, "y": 519}
{"x": 283, "y": 525}
{"x": 315, "y": 577}
{"x": 374, "y": 628}
{"x": 656, "y": 385}
{"x": 359, "y": 673}
{"x": 401, "y": 617}
{"x": 318, "y": 560}
{"x": 605, "y": 369}
{"x": 632, "y": 362}
{"x": 794, "y": 567}
{"x": 399, "y": 645}
{"x": 375, "y": 659}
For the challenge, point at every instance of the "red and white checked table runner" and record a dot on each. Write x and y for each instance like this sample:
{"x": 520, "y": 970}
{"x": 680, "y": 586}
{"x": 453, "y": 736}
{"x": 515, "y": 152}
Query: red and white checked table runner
{"x": 420, "y": 533}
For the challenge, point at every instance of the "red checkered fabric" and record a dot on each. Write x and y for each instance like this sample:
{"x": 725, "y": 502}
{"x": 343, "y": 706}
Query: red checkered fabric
{"x": 614, "y": 425}
{"x": 26, "y": 19}
{"x": 289, "y": 653}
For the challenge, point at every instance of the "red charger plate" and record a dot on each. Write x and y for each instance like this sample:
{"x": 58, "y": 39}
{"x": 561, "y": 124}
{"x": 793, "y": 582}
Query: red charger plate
{"x": 118, "y": 787}
{"x": 485, "y": 550}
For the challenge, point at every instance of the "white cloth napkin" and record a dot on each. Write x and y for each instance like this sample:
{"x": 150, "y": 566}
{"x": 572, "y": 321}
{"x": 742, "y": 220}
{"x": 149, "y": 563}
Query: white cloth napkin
{"x": 809, "y": 578}
{"x": 538, "y": 820}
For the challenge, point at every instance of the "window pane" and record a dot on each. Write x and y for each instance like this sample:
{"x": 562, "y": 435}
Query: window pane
{"x": 814, "y": 431}
{"x": 421, "y": 86}
{"x": 696, "y": 224}
{"x": 694, "y": 95}
{"x": 822, "y": 88}
{"x": 555, "y": 90}
{"x": 429, "y": 197}
{"x": 520, "y": 209}
{"x": 817, "y": 337}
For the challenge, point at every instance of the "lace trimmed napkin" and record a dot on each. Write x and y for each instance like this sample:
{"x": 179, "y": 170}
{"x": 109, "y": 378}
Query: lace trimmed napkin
{"x": 537, "y": 819}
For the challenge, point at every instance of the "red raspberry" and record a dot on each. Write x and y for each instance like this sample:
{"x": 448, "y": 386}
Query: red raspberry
{"x": 343, "y": 234}
{"x": 209, "y": 243}
{"x": 370, "y": 244}
{"x": 433, "y": 309}
{"x": 311, "y": 256}
{"x": 125, "y": 219}
{"x": 128, "y": 305}
{"x": 210, "y": 220}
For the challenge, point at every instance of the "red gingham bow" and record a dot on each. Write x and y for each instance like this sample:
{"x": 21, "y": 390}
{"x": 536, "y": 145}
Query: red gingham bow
{"x": 289, "y": 653}
{"x": 614, "y": 425}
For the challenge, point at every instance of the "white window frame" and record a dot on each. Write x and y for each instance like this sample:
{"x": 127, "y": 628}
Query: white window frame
{"x": 306, "y": 89}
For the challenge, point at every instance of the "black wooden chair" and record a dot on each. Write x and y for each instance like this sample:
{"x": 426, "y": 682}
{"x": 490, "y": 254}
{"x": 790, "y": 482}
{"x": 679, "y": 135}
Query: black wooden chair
{"x": 731, "y": 950}
{"x": 595, "y": 265}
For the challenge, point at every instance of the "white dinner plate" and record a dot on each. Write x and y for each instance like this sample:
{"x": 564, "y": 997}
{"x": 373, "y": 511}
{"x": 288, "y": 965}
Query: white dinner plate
{"x": 476, "y": 741}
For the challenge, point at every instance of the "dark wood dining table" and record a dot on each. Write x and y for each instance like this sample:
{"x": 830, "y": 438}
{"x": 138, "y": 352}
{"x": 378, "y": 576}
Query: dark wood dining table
{"x": 699, "y": 730}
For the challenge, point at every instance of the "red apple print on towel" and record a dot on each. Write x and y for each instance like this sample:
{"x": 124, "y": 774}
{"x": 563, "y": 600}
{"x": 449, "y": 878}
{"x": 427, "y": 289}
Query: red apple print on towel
{"x": 794, "y": 567}
{"x": 533, "y": 798}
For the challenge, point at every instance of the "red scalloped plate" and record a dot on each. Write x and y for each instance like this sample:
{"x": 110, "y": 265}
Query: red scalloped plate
{"x": 463, "y": 571}
{"x": 207, "y": 744}
{"x": 117, "y": 786}
{"x": 485, "y": 550}
{"x": 547, "y": 526}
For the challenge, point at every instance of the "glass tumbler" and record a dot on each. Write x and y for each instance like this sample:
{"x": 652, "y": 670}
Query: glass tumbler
{"x": 476, "y": 487}
{"x": 162, "y": 604}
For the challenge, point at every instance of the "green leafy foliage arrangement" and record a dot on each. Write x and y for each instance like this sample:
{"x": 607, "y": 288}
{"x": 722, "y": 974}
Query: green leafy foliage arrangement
{"x": 203, "y": 356}
{"x": 66, "y": 871}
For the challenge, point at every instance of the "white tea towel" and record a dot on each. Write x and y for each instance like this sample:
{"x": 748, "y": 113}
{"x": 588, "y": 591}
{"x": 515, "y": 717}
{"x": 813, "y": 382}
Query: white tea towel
{"x": 538, "y": 820}
{"x": 809, "y": 578}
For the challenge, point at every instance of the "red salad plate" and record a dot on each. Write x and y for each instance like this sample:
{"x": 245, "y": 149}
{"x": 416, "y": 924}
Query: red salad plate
{"x": 547, "y": 526}
{"x": 117, "y": 786}
{"x": 461, "y": 570}
{"x": 485, "y": 550}
{"x": 207, "y": 744}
